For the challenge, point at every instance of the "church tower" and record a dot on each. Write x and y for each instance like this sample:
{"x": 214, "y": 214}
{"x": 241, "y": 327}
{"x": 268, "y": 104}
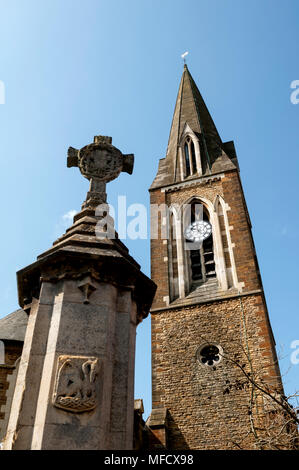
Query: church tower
{"x": 213, "y": 351}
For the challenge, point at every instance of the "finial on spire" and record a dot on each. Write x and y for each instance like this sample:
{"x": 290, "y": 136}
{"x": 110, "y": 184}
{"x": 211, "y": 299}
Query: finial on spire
{"x": 183, "y": 56}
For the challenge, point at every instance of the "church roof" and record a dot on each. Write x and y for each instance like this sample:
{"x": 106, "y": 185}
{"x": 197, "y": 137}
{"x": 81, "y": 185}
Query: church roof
{"x": 13, "y": 326}
{"x": 191, "y": 110}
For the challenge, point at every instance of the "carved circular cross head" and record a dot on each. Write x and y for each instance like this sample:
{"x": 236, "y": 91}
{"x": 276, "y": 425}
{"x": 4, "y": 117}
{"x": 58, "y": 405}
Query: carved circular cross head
{"x": 100, "y": 160}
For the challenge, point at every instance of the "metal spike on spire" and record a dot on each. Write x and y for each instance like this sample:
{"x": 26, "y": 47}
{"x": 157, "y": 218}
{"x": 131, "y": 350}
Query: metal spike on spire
{"x": 183, "y": 56}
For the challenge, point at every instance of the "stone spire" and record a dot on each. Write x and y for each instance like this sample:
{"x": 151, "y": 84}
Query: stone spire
{"x": 191, "y": 112}
{"x": 190, "y": 108}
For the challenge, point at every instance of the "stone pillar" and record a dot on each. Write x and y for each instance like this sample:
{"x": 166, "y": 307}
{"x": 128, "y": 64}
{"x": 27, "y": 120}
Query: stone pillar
{"x": 75, "y": 386}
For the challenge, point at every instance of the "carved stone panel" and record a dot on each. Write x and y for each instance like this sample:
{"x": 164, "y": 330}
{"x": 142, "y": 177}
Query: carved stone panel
{"x": 75, "y": 385}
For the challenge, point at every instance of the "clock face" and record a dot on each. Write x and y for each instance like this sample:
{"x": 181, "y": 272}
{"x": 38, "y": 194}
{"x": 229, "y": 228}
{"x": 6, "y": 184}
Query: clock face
{"x": 198, "y": 231}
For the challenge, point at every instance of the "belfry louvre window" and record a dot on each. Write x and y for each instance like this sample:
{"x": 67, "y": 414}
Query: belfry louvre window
{"x": 193, "y": 159}
{"x": 202, "y": 262}
{"x": 187, "y": 160}
{"x": 190, "y": 159}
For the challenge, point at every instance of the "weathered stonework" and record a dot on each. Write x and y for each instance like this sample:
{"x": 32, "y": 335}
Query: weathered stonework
{"x": 13, "y": 351}
{"x": 75, "y": 383}
{"x": 84, "y": 297}
{"x": 99, "y": 162}
{"x": 210, "y": 401}
{"x": 12, "y": 332}
{"x": 209, "y": 407}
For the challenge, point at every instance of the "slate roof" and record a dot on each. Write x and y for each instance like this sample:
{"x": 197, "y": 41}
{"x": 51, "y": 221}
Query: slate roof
{"x": 13, "y": 326}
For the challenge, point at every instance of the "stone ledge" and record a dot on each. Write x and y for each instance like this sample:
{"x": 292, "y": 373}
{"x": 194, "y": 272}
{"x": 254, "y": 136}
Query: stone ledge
{"x": 184, "y": 302}
{"x": 157, "y": 418}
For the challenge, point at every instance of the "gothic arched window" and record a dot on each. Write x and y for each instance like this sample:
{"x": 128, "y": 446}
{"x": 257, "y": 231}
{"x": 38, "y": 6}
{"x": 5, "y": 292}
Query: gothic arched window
{"x": 190, "y": 157}
{"x": 201, "y": 258}
{"x": 187, "y": 159}
{"x": 193, "y": 158}
{"x": 173, "y": 257}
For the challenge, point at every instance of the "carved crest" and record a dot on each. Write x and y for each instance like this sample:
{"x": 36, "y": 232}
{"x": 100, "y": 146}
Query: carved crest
{"x": 75, "y": 385}
{"x": 100, "y": 160}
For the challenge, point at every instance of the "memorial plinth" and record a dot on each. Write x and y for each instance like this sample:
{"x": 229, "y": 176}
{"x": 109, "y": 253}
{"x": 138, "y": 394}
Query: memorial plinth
{"x": 85, "y": 297}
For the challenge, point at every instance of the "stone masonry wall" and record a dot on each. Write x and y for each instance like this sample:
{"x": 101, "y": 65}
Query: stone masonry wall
{"x": 159, "y": 253}
{"x": 209, "y": 406}
{"x": 244, "y": 251}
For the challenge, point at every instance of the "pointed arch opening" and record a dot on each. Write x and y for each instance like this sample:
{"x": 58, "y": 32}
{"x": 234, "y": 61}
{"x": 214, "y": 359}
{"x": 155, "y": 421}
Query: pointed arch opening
{"x": 187, "y": 160}
{"x": 173, "y": 257}
{"x": 227, "y": 247}
{"x": 193, "y": 157}
{"x": 190, "y": 160}
{"x": 200, "y": 255}
{"x": 196, "y": 264}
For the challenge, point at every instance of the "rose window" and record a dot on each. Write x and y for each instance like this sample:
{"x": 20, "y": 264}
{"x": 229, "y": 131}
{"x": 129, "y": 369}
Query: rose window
{"x": 209, "y": 355}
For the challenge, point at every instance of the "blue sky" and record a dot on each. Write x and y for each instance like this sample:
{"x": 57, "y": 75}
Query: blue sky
{"x": 75, "y": 69}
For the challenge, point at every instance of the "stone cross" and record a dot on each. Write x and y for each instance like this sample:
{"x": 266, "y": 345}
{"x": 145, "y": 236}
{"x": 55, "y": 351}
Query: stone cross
{"x": 85, "y": 297}
{"x": 99, "y": 162}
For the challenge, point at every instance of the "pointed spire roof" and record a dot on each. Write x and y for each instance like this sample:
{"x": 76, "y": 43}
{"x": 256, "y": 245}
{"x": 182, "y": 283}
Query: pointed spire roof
{"x": 191, "y": 111}
{"x": 190, "y": 108}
